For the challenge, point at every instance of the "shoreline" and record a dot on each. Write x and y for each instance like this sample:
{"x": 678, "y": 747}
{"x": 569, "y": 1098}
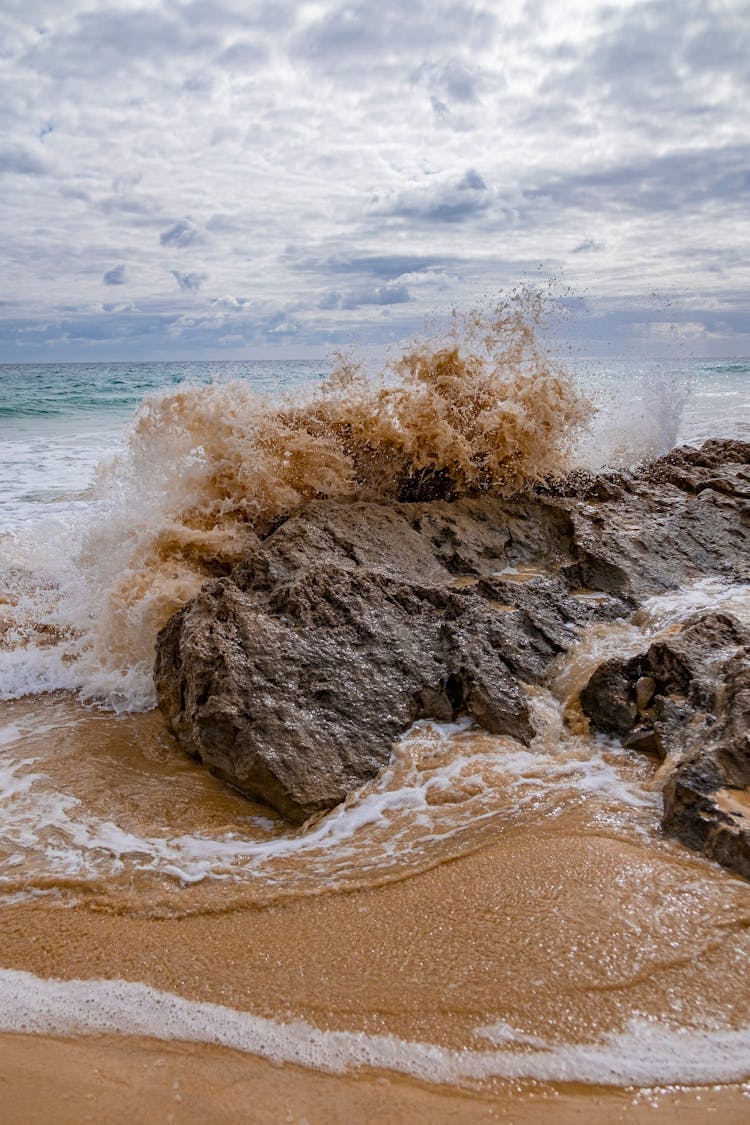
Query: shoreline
{"x": 139, "y": 1081}
{"x": 480, "y": 938}
{"x": 571, "y": 938}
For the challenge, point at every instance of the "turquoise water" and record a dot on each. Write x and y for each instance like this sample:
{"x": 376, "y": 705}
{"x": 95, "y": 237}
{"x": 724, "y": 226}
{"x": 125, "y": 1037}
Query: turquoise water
{"x": 60, "y": 390}
{"x": 59, "y": 421}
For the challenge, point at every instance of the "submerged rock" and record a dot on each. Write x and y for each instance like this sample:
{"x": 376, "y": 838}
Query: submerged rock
{"x": 291, "y": 677}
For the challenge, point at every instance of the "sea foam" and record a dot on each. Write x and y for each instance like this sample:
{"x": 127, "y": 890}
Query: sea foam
{"x": 647, "y": 1052}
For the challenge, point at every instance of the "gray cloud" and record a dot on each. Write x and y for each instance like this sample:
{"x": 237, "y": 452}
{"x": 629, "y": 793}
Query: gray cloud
{"x": 115, "y": 276}
{"x": 22, "y": 160}
{"x": 450, "y": 82}
{"x": 355, "y": 298}
{"x": 243, "y": 55}
{"x": 112, "y": 40}
{"x": 347, "y": 32}
{"x": 188, "y": 280}
{"x": 588, "y": 246}
{"x": 179, "y": 234}
{"x": 663, "y": 183}
{"x": 450, "y": 201}
{"x": 387, "y": 266}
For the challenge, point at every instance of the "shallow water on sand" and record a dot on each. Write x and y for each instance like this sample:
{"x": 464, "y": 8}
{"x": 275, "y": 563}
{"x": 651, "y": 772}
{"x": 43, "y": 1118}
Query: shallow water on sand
{"x": 511, "y": 913}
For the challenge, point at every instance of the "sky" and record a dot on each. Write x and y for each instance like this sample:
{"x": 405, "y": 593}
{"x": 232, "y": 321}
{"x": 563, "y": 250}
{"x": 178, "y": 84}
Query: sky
{"x": 235, "y": 178}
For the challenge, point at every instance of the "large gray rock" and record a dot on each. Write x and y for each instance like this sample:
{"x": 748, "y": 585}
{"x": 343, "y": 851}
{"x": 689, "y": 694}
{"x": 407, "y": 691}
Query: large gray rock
{"x": 291, "y": 677}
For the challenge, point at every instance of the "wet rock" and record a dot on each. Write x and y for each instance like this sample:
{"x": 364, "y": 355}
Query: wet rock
{"x": 688, "y": 698}
{"x": 292, "y": 676}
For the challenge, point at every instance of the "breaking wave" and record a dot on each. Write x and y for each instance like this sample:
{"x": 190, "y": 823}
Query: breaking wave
{"x": 206, "y": 469}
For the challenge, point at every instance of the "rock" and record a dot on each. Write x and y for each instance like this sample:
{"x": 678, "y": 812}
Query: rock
{"x": 291, "y": 677}
{"x": 688, "y": 697}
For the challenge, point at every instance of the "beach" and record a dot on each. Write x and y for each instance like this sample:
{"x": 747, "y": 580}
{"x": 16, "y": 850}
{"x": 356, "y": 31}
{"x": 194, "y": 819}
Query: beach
{"x": 558, "y": 929}
{"x": 482, "y": 932}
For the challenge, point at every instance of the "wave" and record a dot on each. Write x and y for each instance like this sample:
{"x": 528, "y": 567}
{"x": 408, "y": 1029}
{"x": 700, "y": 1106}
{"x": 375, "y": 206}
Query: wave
{"x": 207, "y": 468}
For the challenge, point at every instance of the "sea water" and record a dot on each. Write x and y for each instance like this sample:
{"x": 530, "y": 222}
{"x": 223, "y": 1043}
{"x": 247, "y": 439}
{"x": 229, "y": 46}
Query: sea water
{"x": 59, "y": 421}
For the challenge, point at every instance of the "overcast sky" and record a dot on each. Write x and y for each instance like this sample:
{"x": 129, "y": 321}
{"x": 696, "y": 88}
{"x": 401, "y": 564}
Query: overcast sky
{"x": 189, "y": 178}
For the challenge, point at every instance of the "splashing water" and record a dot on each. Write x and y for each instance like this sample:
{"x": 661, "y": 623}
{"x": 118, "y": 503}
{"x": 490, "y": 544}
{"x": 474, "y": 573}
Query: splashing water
{"x": 206, "y": 469}
{"x": 636, "y": 420}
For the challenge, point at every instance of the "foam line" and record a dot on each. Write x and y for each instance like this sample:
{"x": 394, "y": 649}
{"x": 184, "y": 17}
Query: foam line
{"x": 645, "y": 1053}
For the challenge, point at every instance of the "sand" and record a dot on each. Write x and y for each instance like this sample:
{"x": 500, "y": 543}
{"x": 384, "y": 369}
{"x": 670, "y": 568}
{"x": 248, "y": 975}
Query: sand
{"x": 554, "y": 931}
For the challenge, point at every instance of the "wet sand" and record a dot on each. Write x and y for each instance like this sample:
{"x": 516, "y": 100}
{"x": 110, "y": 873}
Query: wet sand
{"x": 554, "y": 931}
{"x": 139, "y": 1082}
{"x": 478, "y": 901}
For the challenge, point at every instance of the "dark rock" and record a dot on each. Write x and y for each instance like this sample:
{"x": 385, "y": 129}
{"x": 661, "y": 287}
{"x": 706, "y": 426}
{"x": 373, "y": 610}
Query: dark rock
{"x": 292, "y": 676}
{"x": 688, "y": 697}
{"x": 609, "y": 698}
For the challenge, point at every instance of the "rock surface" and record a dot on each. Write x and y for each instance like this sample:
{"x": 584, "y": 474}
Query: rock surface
{"x": 688, "y": 700}
{"x": 291, "y": 677}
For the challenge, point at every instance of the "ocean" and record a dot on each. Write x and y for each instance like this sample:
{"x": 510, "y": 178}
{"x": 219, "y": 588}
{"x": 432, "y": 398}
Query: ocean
{"x": 480, "y": 914}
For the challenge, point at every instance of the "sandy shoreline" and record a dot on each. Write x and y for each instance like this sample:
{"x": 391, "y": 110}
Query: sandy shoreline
{"x": 138, "y": 1082}
{"x": 551, "y": 930}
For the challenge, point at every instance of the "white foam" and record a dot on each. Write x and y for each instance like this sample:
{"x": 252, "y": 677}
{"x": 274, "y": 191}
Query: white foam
{"x": 54, "y": 611}
{"x": 623, "y": 639}
{"x": 646, "y": 1052}
{"x": 716, "y": 595}
{"x": 444, "y": 781}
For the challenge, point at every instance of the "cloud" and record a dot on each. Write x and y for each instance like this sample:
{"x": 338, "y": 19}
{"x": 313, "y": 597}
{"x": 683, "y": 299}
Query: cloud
{"x": 126, "y": 181}
{"x": 450, "y": 82}
{"x": 188, "y": 280}
{"x": 341, "y": 36}
{"x": 22, "y": 160}
{"x": 110, "y": 39}
{"x": 679, "y": 180}
{"x": 179, "y": 234}
{"x": 356, "y": 298}
{"x": 350, "y": 169}
{"x": 588, "y": 246}
{"x": 663, "y": 58}
{"x": 115, "y": 276}
{"x": 387, "y": 266}
{"x": 243, "y": 55}
{"x": 445, "y": 201}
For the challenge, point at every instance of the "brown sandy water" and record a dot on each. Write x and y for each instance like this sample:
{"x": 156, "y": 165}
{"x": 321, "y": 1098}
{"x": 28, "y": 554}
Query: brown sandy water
{"x": 479, "y": 908}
